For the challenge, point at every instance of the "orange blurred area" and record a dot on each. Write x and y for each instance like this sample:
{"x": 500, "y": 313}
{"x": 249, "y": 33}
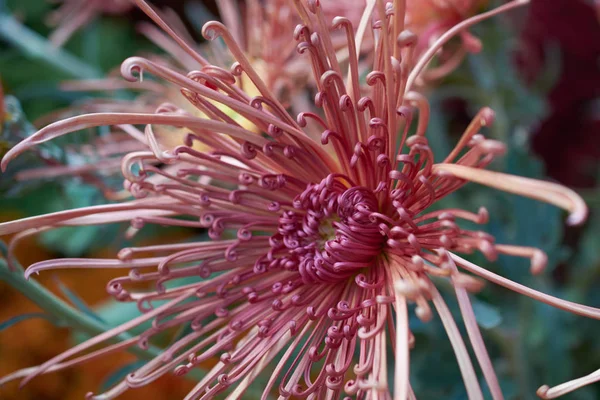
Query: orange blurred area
{"x": 34, "y": 341}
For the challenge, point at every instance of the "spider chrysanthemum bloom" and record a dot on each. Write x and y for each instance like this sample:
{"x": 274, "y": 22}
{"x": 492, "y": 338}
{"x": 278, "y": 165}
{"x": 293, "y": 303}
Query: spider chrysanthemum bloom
{"x": 317, "y": 247}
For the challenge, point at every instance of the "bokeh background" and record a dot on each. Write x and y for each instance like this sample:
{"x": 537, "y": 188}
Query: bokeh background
{"x": 539, "y": 70}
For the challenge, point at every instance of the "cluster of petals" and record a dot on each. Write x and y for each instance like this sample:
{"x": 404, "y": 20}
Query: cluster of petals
{"x": 322, "y": 233}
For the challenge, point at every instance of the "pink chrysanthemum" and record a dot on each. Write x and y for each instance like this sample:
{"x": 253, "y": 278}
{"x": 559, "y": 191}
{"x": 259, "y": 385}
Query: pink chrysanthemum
{"x": 317, "y": 247}
{"x": 439, "y": 15}
{"x": 432, "y": 18}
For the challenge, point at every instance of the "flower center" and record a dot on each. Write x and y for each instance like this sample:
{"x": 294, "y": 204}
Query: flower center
{"x": 330, "y": 235}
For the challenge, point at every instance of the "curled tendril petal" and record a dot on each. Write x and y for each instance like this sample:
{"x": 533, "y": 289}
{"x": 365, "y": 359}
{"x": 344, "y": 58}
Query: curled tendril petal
{"x": 421, "y": 103}
{"x": 227, "y": 77}
{"x": 328, "y": 134}
{"x": 301, "y": 33}
{"x": 365, "y": 103}
{"x": 332, "y": 78}
{"x": 302, "y": 119}
{"x": 206, "y": 80}
{"x": 53, "y": 131}
{"x": 236, "y": 69}
{"x": 549, "y": 192}
{"x": 471, "y": 43}
{"x": 74, "y": 263}
{"x": 288, "y": 125}
{"x": 213, "y": 30}
{"x": 163, "y": 156}
{"x": 248, "y": 150}
{"x": 375, "y": 77}
{"x": 344, "y": 23}
{"x": 452, "y": 32}
{"x": 73, "y": 124}
{"x": 539, "y": 259}
{"x": 88, "y": 216}
{"x": 575, "y": 308}
{"x": 545, "y": 392}
{"x": 340, "y": 22}
{"x": 484, "y": 118}
{"x": 406, "y": 38}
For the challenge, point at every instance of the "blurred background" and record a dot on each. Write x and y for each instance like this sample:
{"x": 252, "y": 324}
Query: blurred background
{"x": 540, "y": 72}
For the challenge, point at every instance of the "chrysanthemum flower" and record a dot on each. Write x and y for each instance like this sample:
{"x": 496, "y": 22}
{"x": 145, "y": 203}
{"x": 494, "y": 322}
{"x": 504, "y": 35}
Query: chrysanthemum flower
{"x": 439, "y": 15}
{"x": 432, "y": 18}
{"x": 317, "y": 247}
{"x": 73, "y": 14}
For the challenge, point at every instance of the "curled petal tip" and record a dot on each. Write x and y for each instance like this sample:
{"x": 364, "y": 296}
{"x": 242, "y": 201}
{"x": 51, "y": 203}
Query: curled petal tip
{"x": 13, "y": 153}
{"x": 130, "y": 66}
{"x": 213, "y": 29}
{"x": 406, "y": 289}
{"x": 29, "y": 271}
{"x": 487, "y": 116}
{"x": 483, "y": 216}
{"x": 539, "y": 260}
{"x": 472, "y": 44}
{"x": 424, "y": 314}
{"x": 578, "y": 216}
{"x": 407, "y": 38}
{"x": 541, "y": 392}
{"x": 337, "y": 22}
{"x": 548, "y": 192}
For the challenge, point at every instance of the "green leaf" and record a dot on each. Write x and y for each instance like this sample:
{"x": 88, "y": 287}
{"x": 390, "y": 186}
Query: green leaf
{"x": 24, "y": 317}
{"x": 115, "y": 313}
{"x": 62, "y": 311}
{"x": 78, "y": 302}
{"x": 75, "y": 241}
{"x": 37, "y": 47}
